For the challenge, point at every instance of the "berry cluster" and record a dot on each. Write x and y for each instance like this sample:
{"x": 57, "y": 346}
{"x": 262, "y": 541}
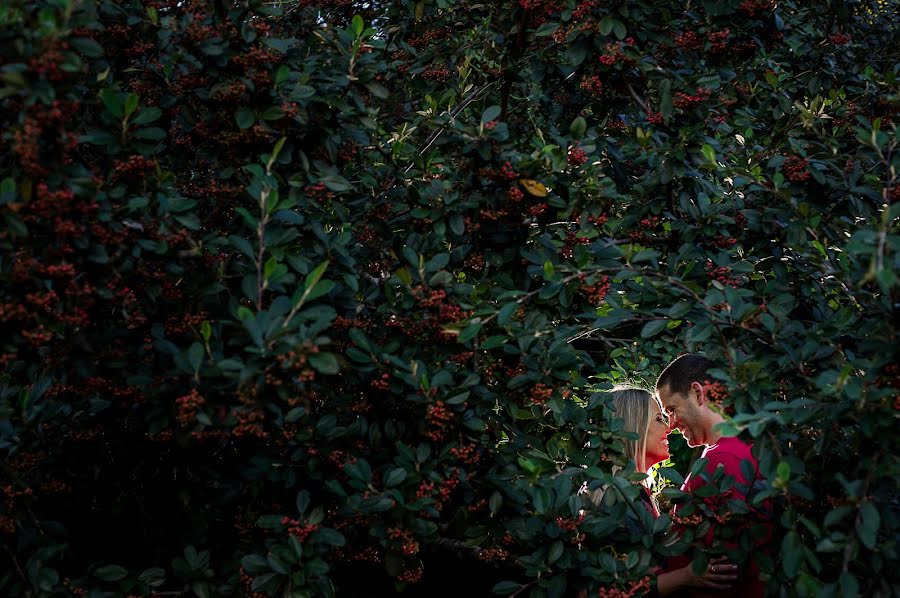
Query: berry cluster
{"x": 647, "y": 226}
{"x": 718, "y": 40}
{"x": 686, "y": 101}
{"x": 689, "y": 40}
{"x": 466, "y": 453}
{"x": 637, "y": 588}
{"x": 723, "y": 242}
{"x": 716, "y": 391}
{"x": 655, "y": 118}
{"x": 318, "y": 192}
{"x": 134, "y": 168}
{"x": 576, "y": 156}
{"x": 614, "y": 54}
{"x": 490, "y": 555}
{"x": 429, "y": 37}
{"x": 408, "y": 546}
{"x": 429, "y": 322}
{"x": 514, "y": 194}
{"x": 296, "y": 362}
{"x": 47, "y": 63}
{"x": 592, "y": 85}
{"x": 540, "y": 394}
{"x": 505, "y": 173}
{"x": 540, "y": 7}
{"x": 411, "y": 575}
{"x": 796, "y": 169}
{"x": 721, "y": 274}
{"x": 298, "y": 529}
{"x": 538, "y": 209}
{"x": 583, "y": 9}
{"x": 752, "y": 8}
{"x": 249, "y": 424}
{"x": 381, "y": 383}
{"x": 595, "y": 293}
{"x": 188, "y": 406}
{"x": 439, "y": 420}
{"x": 42, "y": 129}
{"x": 437, "y": 73}
{"x": 572, "y": 239}
{"x": 570, "y": 527}
{"x": 840, "y": 39}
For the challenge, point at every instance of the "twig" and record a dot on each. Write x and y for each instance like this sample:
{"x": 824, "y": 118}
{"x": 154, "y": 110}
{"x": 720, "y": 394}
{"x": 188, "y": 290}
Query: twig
{"x": 643, "y": 104}
{"x": 12, "y": 555}
{"x": 453, "y": 114}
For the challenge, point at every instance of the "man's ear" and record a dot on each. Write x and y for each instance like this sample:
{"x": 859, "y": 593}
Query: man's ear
{"x": 700, "y": 391}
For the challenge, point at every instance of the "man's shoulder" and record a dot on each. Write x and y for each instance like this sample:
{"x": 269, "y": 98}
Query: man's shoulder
{"x": 731, "y": 446}
{"x": 728, "y": 452}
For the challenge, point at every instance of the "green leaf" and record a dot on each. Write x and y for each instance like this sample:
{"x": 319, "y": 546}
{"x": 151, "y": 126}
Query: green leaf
{"x": 556, "y": 551}
{"x": 313, "y": 278}
{"x": 357, "y": 25}
{"x": 113, "y": 102}
{"x": 665, "y": 99}
{"x": 469, "y": 332}
{"x": 153, "y": 577}
{"x": 131, "y": 104}
{"x": 147, "y": 115}
{"x": 195, "y": 356}
{"x": 149, "y": 133}
{"x": 261, "y": 582}
{"x": 244, "y": 117}
{"x": 506, "y": 312}
{"x": 378, "y": 90}
{"x": 395, "y": 476}
{"x": 606, "y": 25}
{"x": 546, "y": 29}
{"x": 867, "y": 525}
{"x": 490, "y": 113}
{"x": 111, "y": 573}
{"x": 652, "y": 328}
{"x": 330, "y": 537}
{"x": 549, "y": 270}
{"x": 326, "y": 363}
{"x": 578, "y": 127}
{"x": 86, "y": 46}
{"x": 507, "y": 588}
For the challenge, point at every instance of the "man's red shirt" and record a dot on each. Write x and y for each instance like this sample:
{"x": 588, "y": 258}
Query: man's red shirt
{"x": 727, "y": 452}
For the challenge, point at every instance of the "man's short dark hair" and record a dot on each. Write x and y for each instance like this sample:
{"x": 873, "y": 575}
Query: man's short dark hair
{"x": 679, "y": 374}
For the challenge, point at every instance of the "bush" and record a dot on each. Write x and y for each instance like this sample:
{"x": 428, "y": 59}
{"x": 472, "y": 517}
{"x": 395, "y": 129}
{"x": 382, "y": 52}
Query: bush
{"x": 301, "y": 294}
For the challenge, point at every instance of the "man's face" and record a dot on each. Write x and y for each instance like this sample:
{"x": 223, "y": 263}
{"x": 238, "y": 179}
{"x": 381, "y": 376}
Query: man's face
{"x": 684, "y": 414}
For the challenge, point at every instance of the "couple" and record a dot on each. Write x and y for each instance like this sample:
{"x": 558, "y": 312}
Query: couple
{"x": 684, "y": 397}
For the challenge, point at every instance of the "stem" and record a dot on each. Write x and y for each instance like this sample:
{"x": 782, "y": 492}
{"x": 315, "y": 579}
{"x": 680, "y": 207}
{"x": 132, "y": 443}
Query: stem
{"x": 12, "y": 555}
{"x": 261, "y": 245}
{"x": 641, "y": 102}
{"x": 453, "y": 114}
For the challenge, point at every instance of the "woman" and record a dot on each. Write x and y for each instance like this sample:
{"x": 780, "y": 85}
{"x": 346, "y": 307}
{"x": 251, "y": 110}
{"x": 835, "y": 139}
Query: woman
{"x": 643, "y": 415}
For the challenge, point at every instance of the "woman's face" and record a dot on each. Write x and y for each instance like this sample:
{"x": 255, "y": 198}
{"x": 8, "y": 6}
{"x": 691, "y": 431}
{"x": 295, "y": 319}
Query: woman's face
{"x": 657, "y": 440}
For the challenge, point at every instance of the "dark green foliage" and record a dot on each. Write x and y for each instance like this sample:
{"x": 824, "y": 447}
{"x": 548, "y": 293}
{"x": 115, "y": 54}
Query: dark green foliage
{"x": 297, "y": 294}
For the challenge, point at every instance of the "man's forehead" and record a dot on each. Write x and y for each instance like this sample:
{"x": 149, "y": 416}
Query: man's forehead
{"x": 667, "y": 397}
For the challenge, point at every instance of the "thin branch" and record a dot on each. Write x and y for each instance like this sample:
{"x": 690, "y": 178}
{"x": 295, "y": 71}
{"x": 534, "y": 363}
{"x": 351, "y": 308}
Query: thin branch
{"x": 18, "y": 567}
{"x": 453, "y": 114}
{"x": 641, "y": 102}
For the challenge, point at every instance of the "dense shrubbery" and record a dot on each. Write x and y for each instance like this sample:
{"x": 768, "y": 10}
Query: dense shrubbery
{"x": 299, "y": 293}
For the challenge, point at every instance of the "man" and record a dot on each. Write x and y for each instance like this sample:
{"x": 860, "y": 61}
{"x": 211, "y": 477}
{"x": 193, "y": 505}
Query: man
{"x": 684, "y": 390}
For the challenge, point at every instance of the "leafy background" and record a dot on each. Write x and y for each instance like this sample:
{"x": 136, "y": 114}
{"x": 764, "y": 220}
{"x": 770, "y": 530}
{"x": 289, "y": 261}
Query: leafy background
{"x": 313, "y": 297}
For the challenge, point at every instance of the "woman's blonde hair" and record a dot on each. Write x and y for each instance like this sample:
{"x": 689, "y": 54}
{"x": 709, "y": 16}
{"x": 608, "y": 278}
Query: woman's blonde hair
{"x": 637, "y": 408}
